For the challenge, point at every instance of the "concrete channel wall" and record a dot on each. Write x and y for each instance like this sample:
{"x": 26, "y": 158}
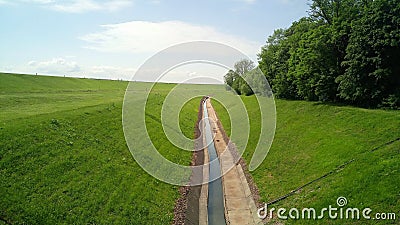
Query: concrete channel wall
{"x": 240, "y": 207}
{"x": 192, "y": 215}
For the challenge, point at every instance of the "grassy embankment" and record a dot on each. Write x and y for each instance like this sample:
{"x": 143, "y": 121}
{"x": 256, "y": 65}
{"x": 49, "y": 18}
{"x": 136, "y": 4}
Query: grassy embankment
{"x": 63, "y": 156}
{"x": 313, "y": 139}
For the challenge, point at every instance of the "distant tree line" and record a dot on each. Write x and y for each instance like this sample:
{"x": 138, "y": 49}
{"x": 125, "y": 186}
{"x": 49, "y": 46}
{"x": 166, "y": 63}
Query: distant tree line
{"x": 234, "y": 79}
{"x": 247, "y": 80}
{"x": 345, "y": 51}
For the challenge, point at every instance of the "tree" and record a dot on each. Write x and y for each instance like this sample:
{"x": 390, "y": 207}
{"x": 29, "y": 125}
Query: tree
{"x": 372, "y": 70}
{"x": 313, "y": 65}
{"x": 243, "y": 66}
{"x": 245, "y": 89}
{"x": 273, "y": 62}
{"x": 229, "y": 78}
{"x": 273, "y": 57}
{"x": 256, "y": 83}
{"x": 344, "y": 51}
{"x": 234, "y": 79}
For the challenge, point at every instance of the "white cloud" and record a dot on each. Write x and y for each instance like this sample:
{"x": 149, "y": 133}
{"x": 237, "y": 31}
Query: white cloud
{"x": 110, "y": 72}
{"x": 150, "y": 37}
{"x": 80, "y": 6}
{"x": 286, "y": 1}
{"x": 156, "y": 2}
{"x": 77, "y": 6}
{"x": 248, "y": 1}
{"x": 65, "y": 66}
{"x": 5, "y": 2}
{"x": 7, "y": 68}
{"x": 279, "y": 1}
{"x": 39, "y": 1}
{"x": 54, "y": 66}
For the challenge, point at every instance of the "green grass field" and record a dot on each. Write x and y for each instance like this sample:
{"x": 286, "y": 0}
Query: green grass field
{"x": 64, "y": 159}
{"x": 313, "y": 139}
{"x": 63, "y": 156}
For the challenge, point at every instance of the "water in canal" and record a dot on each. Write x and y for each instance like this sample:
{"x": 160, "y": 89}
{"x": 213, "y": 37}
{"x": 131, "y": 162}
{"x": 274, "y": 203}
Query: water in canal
{"x": 216, "y": 212}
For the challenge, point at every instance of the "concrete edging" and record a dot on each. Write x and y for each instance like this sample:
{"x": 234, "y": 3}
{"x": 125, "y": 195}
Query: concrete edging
{"x": 240, "y": 207}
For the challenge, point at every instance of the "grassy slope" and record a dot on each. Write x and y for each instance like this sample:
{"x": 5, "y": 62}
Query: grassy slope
{"x": 313, "y": 139}
{"x": 58, "y": 163}
{"x": 63, "y": 157}
{"x": 25, "y": 95}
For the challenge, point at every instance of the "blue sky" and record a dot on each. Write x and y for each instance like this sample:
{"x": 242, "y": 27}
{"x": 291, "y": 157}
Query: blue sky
{"x": 111, "y": 39}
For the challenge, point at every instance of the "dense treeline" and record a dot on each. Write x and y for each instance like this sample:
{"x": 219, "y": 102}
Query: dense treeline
{"x": 344, "y": 51}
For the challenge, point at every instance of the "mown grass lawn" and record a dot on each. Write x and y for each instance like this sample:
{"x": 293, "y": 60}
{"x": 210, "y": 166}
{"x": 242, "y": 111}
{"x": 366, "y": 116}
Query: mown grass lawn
{"x": 313, "y": 139}
{"x": 64, "y": 159}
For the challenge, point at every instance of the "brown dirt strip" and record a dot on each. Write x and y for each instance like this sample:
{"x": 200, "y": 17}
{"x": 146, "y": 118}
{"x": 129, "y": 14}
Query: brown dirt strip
{"x": 186, "y": 210}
